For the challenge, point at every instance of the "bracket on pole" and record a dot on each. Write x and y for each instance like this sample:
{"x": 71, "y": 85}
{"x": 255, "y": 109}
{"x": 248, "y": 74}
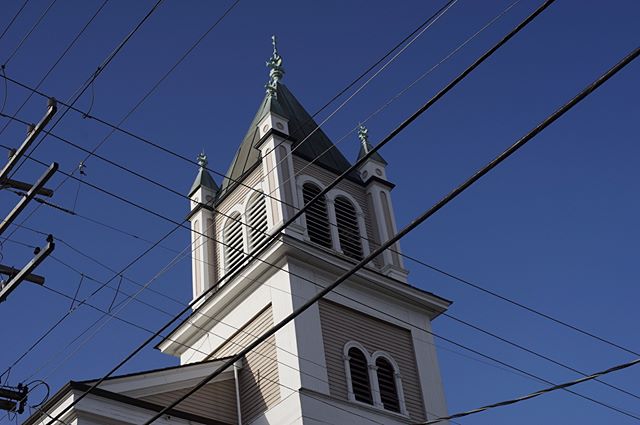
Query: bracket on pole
{"x": 13, "y": 399}
{"x": 23, "y": 274}
{"x": 31, "y": 136}
{"x": 29, "y": 196}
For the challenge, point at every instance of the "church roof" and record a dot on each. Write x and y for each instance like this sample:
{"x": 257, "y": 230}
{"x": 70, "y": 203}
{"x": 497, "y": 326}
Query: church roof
{"x": 203, "y": 179}
{"x": 309, "y": 141}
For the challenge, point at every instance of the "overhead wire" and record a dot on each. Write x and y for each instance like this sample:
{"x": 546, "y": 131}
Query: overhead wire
{"x": 416, "y": 222}
{"x": 28, "y": 34}
{"x": 83, "y": 88}
{"x": 547, "y": 390}
{"x": 15, "y": 16}
{"x": 56, "y": 63}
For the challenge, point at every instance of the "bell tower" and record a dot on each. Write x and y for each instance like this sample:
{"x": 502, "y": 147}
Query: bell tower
{"x": 365, "y": 353}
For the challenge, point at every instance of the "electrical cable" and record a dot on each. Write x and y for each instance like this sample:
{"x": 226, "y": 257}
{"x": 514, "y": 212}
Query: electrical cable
{"x": 534, "y": 394}
{"x": 416, "y": 222}
{"x": 15, "y": 50}
{"x": 94, "y": 76}
{"x": 55, "y": 64}
{"x": 403, "y": 91}
{"x": 13, "y": 19}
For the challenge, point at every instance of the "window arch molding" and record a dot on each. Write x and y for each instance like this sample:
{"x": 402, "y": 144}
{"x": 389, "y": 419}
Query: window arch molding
{"x": 233, "y": 216}
{"x": 397, "y": 379}
{"x": 256, "y": 191}
{"x": 347, "y": 368}
{"x": 364, "y": 240}
{"x": 303, "y": 180}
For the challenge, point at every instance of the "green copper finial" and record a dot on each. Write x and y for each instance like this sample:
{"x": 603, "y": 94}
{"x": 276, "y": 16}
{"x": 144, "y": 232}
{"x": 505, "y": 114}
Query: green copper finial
{"x": 202, "y": 160}
{"x": 363, "y": 135}
{"x": 276, "y": 70}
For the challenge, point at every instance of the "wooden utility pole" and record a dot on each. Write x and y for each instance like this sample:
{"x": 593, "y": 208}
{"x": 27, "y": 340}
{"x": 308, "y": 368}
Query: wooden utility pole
{"x": 17, "y": 276}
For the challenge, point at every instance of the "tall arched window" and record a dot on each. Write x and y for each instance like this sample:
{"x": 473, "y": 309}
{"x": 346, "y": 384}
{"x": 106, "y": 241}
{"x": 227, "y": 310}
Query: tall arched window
{"x": 387, "y": 383}
{"x": 348, "y": 228}
{"x": 316, "y": 216}
{"x": 359, "y": 368}
{"x": 257, "y": 219}
{"x": 233, "y": 240}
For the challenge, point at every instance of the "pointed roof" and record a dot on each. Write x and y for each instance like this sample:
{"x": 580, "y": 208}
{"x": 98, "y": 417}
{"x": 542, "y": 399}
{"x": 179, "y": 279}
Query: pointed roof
{"x": 302, "y": 127}
{"x": 203, "y": 178}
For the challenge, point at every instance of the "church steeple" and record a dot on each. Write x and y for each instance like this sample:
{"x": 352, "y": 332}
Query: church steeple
{"x": 204, "y": 179}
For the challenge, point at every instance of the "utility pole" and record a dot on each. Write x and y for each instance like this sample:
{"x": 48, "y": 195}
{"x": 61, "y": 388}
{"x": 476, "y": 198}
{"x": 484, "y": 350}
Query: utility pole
{"x": 17, "y": 276}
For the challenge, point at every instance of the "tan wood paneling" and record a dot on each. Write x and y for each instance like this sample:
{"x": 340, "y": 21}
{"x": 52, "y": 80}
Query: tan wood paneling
{"x": 341, "y": 324}
{"x": 216, "y": 401}
{"x": 259, "y": 388}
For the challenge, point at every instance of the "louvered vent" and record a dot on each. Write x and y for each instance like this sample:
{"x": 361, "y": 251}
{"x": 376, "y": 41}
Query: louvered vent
{"x": 316, "y": 216}
{"x": 387, "y": 384}
{"x": 348, "y": 229}
{"x": 234, "y": 246}
{"x": 257, "y": 219}
{"x": 360, "y": 376}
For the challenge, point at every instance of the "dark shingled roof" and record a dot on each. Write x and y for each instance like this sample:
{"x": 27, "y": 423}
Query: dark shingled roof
{"x": 204, "y": 179}
{"x": 376, "y": 156}
{"x": 301, "y": 126}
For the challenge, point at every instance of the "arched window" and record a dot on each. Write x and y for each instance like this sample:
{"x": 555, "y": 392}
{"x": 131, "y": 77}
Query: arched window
{"x": 234, "y": 245}
{"x": 257, "y": 219}
{"x": 348, "y": 229}
{"x": 386, "y": 375}
{"x": 359, "y": 368}
{"x": 316, "y": 216}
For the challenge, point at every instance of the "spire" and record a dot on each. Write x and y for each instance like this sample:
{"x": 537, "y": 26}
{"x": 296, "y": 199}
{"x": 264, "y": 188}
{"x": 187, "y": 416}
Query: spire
{"x": 363, "y": 135}
{"x": 203, "y": 179}
{"x": 202, "y": 160}
{"x": 276, "y": 70}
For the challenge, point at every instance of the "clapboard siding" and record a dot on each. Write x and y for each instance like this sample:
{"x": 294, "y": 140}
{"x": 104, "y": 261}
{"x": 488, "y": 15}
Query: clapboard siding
{"x": 235, "y": 197}
{"x": 303, "y": 167}
{"x": 259, "y": 388}
{"x": 342, "y": 324}
{"x": 216, "y": 401}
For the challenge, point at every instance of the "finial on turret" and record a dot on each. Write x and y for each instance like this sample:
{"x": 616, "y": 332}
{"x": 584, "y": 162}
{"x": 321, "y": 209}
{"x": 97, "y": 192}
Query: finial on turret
{"x": 276, "y": 70}
{"x": 363, "y": 135}
{"x": 202, "y": 160}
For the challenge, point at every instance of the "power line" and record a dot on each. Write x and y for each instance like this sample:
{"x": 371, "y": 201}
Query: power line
{"x": 415, "y": 223}
{"x": 55, "y": 64}
{"x": 28, "y": 34}
{"x": 98, "y": 71}
{"x": 265, "y": 242}
{"x": 13, "y": 19}
{"x": 535, "y": 394}
{"x": 535, "y": 353}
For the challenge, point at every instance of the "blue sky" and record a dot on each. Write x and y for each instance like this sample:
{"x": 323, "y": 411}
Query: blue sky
{"x": 554, "y": 227}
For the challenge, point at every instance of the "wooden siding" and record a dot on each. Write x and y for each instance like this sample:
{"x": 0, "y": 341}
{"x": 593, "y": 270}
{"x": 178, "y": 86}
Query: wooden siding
{"x": 358, "y": 192}
{"x": 216, "y": 401}
{"x": 341, "y": 324}
{"x": 259, "y": 389}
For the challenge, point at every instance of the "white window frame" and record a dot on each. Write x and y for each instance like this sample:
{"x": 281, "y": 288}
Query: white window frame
{"x": 238, "y": 209}
{"x": 397, "y": 378}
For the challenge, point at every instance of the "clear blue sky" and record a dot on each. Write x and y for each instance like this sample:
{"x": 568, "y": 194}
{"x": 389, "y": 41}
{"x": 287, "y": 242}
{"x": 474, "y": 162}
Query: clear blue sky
{"x": 555, "y": 227}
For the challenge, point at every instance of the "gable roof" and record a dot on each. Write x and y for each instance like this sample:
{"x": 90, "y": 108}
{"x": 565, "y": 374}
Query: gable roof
{"x": 309, "y": 141}
{"x": 123, "y": 389}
